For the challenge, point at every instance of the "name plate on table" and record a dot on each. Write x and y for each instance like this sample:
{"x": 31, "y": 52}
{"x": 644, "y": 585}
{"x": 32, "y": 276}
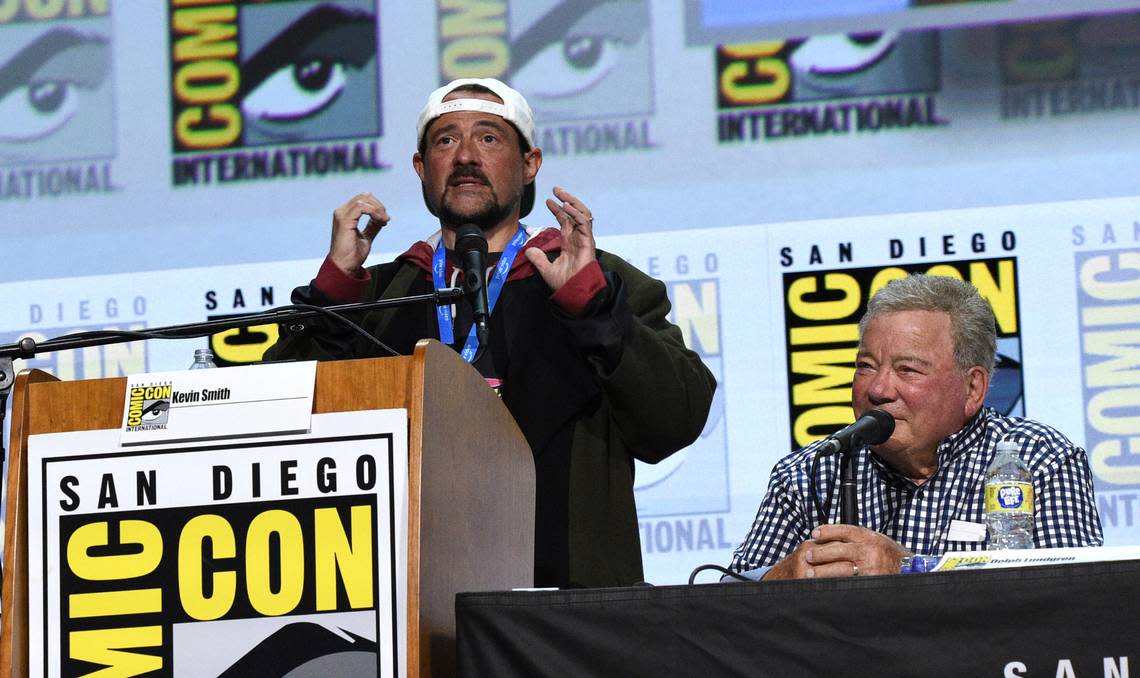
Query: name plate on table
{"x": 992, "y": 560}
{"x": 233, "y": 402}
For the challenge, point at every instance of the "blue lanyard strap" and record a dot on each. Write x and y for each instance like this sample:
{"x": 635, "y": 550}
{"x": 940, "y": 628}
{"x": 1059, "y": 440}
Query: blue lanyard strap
{"x": 494, "y": 288}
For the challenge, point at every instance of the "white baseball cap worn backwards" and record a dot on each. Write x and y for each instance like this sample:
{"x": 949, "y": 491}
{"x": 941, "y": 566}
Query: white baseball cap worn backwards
{"x": 514, "y": 110}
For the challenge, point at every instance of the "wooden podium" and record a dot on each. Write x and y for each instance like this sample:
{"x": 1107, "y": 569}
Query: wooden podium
{"x": 470, "y": 484}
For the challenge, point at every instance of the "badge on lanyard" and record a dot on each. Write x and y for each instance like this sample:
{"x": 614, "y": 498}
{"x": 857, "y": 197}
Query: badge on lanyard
{"x": 494, "y": 288}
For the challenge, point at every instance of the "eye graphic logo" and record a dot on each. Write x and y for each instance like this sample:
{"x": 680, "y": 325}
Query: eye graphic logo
{"x": 586, "y": 60}
{"x": 148, "y": 407}
{"x": 314, "y": 80}
{"x": 56, "y": 100}
{"x": 827, "y": 67}
{"x": 155, "y": 411}
{"x": 572, "y": 60}
{"x": 273, "y": 73}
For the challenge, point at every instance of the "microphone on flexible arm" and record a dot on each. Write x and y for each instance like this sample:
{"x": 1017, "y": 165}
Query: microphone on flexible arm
{"x": 872, "y": 428}
{"x": 471, "y": 248}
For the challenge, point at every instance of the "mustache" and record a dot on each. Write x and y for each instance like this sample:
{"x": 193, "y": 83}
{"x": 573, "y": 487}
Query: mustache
{"x": 468, "y": 172}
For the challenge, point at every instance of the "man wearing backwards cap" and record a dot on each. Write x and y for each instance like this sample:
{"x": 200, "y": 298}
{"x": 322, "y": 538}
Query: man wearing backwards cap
{"x": 580, "y": 346}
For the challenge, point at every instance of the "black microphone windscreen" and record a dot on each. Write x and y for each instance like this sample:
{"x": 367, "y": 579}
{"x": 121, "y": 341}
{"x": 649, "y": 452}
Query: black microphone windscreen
{"x": 883, "y": 431}
{"x": 469, "y": 237}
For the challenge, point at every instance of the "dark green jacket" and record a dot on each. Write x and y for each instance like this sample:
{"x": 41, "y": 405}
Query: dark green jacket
{"x": 590, "y": 393}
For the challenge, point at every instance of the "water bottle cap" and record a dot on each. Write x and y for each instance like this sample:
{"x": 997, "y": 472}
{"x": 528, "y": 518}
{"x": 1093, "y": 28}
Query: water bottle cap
{"x": 1008, "y": 445}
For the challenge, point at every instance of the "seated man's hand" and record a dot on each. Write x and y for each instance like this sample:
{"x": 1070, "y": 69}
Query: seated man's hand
{"x": 841, "y": 551}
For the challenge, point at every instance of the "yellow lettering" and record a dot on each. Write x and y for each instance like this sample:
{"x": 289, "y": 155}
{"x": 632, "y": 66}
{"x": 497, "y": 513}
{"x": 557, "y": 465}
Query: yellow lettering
{"x": 885, "y": 276}
{"x": 207, "y": 82}
{"x": 40, "y": 10}
{"x": 1122, "y": 281}
{"x": 824, "y": 334}
{"x": 292, "y": 563}
{"x": 1001, "y": 293}
{"x": 129, "y": 358}
{"x": 697, "y": 318}
{"x": 828, "y": 417}
{"x": 834, "y": 369}
{"x": 475, "y": 57}
{"x": 243, "y": 352}
{"x": 210, "y": 33}
{"x": 104, "y": 647}
{"x": 1123, "y": 399}
{"x": 944, "y": 270}
{"x": 43, "y": 9}
{"x": 107, "y": 603}
{"x": 112, "y": 567}
{"x": 334, "y": 551}
{"x": 824, "y": 310}
{"x": 1122, "y": 367}
{"x": 738, "y": 80}
{"x": 227, "y": 130}
{"x": 1102, "y": 456}
{"x": 472, "y": 17}
{"x": 75, "y": 8}
{"x": 191, "y": 569}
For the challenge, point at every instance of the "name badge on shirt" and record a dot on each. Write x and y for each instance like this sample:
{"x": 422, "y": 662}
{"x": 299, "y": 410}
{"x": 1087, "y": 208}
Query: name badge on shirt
{"x": 961, "y": 530}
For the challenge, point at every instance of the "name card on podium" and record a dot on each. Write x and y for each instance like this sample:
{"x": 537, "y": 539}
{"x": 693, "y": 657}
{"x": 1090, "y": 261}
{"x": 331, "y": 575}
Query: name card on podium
{"x": 234, "y": 402}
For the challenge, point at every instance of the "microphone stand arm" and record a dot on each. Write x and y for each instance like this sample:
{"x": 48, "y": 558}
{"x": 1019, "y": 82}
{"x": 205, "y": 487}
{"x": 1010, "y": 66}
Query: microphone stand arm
{"x": 848, "y": 489}
{"x": 27, "y": 348}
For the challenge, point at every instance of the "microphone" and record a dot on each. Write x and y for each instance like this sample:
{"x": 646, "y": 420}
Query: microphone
{"x": 870, "y": 429}
{"x": 471, "y": 248}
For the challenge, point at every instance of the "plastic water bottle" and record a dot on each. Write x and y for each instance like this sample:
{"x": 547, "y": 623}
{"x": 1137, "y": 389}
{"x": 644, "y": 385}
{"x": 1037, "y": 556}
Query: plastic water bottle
{"x": 1009, "y": 499}
{"x": 203, "y": 359}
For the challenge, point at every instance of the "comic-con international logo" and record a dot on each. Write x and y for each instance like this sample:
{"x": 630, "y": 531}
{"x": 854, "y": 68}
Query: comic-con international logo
{"x": 585, "y": 66}
{"x": 821, "y": 315}
{"x": 57, "y": 125}
{"x": 1108, "y": 295}
{"x": 1072, "y": 67}
{"x": 270, "y": 89}
{"x": 148, "y": 407}
{"x": 870, "y": 83}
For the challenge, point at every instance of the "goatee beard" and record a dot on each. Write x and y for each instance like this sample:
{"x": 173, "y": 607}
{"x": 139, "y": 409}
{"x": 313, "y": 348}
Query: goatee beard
{"x": 489, "y": 216}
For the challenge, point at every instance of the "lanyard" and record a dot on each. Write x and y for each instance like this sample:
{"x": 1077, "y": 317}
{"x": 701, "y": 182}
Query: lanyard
{"x": 443, "y": 313}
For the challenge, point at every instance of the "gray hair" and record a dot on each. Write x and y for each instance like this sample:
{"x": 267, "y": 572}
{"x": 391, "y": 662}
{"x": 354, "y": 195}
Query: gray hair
{"x": 971, "y": 318}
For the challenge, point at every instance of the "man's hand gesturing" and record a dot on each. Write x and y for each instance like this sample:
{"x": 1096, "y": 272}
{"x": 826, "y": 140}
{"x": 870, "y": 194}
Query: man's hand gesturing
{"x": 350, "y": 246}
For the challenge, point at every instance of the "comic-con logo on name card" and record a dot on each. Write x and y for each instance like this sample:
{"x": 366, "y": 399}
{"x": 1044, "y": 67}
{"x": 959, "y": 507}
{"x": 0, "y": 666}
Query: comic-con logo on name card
{"x": 148, "y": 406}
{"x": 57, "y": 112}
{"x": 1058, "y": 69}
{"x": 821, "y": 314}
{"x": 273, "y": 89}
{"x": 584, "y": 67}
{"x": 827, "y": 85}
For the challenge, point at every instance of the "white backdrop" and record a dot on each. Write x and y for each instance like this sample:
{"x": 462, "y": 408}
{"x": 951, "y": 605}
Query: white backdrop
{"x": 164, "y": 165}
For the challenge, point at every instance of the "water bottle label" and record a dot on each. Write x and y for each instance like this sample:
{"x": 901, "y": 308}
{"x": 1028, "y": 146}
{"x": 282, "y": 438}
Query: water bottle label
{"x": 1009, "y": 498}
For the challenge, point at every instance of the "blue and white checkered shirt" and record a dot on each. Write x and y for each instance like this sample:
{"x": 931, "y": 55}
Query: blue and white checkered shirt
{"x": 918, "y": 516}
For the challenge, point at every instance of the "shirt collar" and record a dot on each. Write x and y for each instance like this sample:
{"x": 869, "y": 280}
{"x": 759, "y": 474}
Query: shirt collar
{"x": 951, "y": 447}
